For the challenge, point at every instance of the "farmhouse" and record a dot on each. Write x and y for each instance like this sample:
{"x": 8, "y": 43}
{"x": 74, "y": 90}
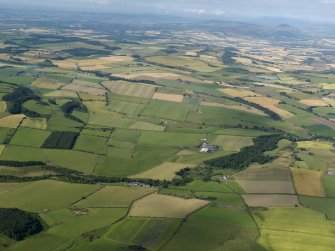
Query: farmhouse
{"x": 138, "y": 184}
{"x": 206, "y": 148}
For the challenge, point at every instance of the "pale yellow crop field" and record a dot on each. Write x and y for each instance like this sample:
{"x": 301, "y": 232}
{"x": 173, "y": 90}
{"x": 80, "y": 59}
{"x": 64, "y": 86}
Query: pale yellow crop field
{"x": 165, "y": 171}
{"x": 130, "y": 89}
{"x": 168, "y": 97}
{"x": 12, "y": 121}
{"x": 313, "y": 102}
{"x": 47, "y": 83}
{"x": 308, "y": 182}
{"x": 164, "y": 206}
{"x": 315, "y": 144}
{"x": 238, "y": 92}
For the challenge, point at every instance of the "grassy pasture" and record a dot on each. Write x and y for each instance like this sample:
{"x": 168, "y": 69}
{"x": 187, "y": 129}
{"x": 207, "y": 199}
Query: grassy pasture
{"x": 308, "y": 182}
{"x": 216, "y": 228}
{"x": 3, "y": 133}
{"x": 76, "y": 160}
{"x": 150, "y": 138}
{"x": 232, "y": 143}
{"x": 328, "y": 183}
{"x": 114, "y": 196}
{"x": 37, "y": 123}
{"x": 126, "y": 135}
{"x": 44, "y": 242}
{"x": 58, "y": 122}
{"x": 168, "y": 110}
{"x": 294, "y": 229}
{"x": 7, "y": 187}
{"x": 12, "y": 121}
{"x": 90, "y": 143}
{"x": 145, "y": 126}
{"x": 163, "y": 206}
{"x": 125, "y": 162}
{"x": 186, "y": 62}
{"x": 29, "y": 137}
{"x": 165, "y": 171}
{"x": 273, "y": 200}
{"x": 130, "y": 89}
{"x": 124, "y": 107}
{"x": 70, "y": 225}
{"x": 61, "y": 94}
{"x": 322, "y": 205}
{"x": 147, "y": 232}
{"x": 45, "y": 195}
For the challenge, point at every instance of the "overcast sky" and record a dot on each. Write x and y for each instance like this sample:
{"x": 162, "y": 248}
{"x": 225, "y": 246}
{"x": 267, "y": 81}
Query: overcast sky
{"x": 319, "y": 10}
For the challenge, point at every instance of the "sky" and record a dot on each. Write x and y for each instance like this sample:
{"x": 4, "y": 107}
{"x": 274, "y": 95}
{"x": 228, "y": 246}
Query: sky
{"x": 313, "y": 10}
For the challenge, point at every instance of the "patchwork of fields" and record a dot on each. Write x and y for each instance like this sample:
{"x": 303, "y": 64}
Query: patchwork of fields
{"x": 130, "y": 139}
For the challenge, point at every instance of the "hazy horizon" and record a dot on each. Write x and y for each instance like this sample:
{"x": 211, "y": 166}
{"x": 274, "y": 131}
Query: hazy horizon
{"x": 309, "y": 10}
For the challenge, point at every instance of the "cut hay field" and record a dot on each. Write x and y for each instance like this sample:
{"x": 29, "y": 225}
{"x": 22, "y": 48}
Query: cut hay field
{"x": 156, "y": 75}
{"x": 12, "y": 121}
{"x": 3, "y": 106}
{"x": 130, "y": 89}
{"x": 273, "y": 177}
{"x": 186, "y": 62}
{"x": 281, "y": 112}
{"x": 273, "y": 200}
{"x": 240, "y": 93}
{"x": 232, "y": 143}
{"x": 168, "y": 97}
{"x": 308, "y": 182}
{"x": 37, "y": 123}
{"x": 165, "y": 171}
{"x": 314, "y": 102}
{"x": 114, "y": 196}
{"x": 85, "y": 87}
{"x": 314, "y": 144}
{"x": 163, "y": 206}
{"x": 294, "y": 229}
{"x": 236, "y": 107}
{"x": 46, "y": 83}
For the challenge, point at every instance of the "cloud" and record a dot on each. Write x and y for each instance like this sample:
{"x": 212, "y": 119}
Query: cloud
{"x": 216, "y": 12}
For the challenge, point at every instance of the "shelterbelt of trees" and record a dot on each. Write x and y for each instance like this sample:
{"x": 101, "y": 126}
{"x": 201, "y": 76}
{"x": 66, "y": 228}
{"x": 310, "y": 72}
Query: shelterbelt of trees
{"x": 18, "y": 224}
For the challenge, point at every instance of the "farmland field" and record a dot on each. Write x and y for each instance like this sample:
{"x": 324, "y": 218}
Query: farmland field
{"x": 140, "y": 131}
{"x": 308, "y": 182}
{"x": 165, "y": 206}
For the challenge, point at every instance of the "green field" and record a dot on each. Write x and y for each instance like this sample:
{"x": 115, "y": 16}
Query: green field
{"x": 114, "y": 196}
{"x": 35, "y": 197}
{"x": 294, "y": 229}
